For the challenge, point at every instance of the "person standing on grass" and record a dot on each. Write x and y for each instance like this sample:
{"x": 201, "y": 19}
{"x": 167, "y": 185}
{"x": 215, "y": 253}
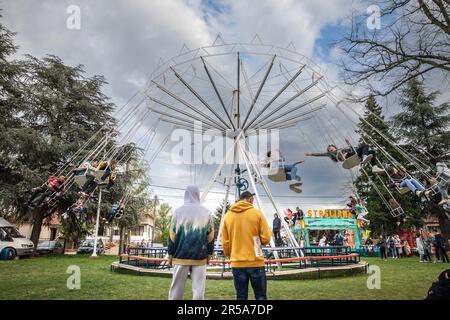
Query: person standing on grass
{"x": 245, "y": 230}
{"x": 191, "y": 245}
{"x": 398, "y": 246}
{"x": 440, "y": 247}
{"x": 432, "y": 248}
{"x": 382, "y": 245}
{"x": 276, "y": 228}
{"x": 421, "y": 248}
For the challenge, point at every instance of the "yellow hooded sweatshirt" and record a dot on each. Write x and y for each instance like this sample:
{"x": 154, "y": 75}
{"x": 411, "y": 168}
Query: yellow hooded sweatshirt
{"x": 244, "y": 230}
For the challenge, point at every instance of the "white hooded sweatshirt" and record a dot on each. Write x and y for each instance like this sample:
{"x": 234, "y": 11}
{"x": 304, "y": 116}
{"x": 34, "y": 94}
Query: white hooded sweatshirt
{"x": 192, "y": 231}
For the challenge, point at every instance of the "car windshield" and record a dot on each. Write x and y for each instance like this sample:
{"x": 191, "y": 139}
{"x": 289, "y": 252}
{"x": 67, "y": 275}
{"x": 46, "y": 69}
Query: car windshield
{"x": 45, "y": 243}
{"x": 88, "y": 243}
{"x": 12, "y": 232}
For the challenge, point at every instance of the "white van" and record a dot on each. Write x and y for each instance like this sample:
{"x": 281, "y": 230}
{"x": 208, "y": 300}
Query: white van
{"x": 12, "y": 243}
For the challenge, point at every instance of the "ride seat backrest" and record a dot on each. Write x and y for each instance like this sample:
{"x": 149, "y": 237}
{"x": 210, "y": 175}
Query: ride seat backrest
{"x": 276, "y": 171}
{"x": 397, "y": 211}
{"x": 351, "y": 162}
{"x": 80, "y": 180}
{"x": 403, "y": 190}
{"x": 99, "y": 174}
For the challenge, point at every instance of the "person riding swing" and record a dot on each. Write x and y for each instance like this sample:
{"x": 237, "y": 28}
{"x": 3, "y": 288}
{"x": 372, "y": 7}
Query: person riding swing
{"x": 363, "y": 151}
{"x": 290, "y": 171}
{"x": 109, "y": 168}
{"x": 53, "y": 185}
{"x": 402, "y": 179}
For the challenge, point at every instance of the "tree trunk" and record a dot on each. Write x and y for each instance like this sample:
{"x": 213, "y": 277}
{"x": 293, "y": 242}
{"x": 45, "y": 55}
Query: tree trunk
{"x": 64, "y": 245}
{"x": 444, "y": 225}
{"x": 121, "y": 240}
{"x": 38, "y": 218}
{"x": 111, "y": 235}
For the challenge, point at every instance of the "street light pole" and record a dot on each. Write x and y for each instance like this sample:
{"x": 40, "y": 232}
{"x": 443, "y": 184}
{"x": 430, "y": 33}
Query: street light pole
{"x": 94, "y": 251}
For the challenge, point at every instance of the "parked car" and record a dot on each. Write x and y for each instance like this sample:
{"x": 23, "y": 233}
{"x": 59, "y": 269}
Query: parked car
{"x": 88, "y": 247}
{"x": 12, "y": 243}
{"x": 46, "y": 246}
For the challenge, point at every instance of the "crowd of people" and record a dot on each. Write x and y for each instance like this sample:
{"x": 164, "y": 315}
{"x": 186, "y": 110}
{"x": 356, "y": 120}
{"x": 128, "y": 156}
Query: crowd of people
{"x": 429, "y": 247}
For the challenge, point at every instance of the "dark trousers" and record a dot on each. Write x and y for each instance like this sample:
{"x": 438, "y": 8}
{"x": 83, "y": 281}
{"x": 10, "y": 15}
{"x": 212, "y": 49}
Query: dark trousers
{"x": 277, "y": 236}
{"x": 383, "y": 253}
{"x": 257, "y": 278}
{"x": 364, "y": 150}
{"x": 427, "y": 255}
{"x": 440, "y": 253}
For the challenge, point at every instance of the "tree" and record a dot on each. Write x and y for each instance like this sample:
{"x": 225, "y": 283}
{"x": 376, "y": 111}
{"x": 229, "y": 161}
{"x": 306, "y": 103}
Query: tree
{"x": 217, "y": 216}
{"x": 423, "y": 126}
{"x": 413, "y": 40}
{"x": 56, "y": 110}
{"x": 425, "y": 130}
{"x": 374, "y": 130}
{"x": 162, "y": 223}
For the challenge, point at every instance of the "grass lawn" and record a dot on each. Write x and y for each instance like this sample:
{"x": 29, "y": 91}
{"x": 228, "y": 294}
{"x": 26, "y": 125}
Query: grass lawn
{"x": 45, "y": 278}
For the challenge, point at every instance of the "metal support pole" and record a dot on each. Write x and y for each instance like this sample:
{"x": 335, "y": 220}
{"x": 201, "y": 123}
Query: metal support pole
{"x": 217, "y": 92}
{"x": 224, "y": 209}
{"x": 269, "y": 194}
{"x": 275, "y": 97}
{"x": 97, "y": 223}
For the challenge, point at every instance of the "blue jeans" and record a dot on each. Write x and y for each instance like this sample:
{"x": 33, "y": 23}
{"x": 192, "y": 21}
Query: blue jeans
{"x": 412, "y": 184}
{"x": 257, "y": 277}
{"x": 291, "y": 173}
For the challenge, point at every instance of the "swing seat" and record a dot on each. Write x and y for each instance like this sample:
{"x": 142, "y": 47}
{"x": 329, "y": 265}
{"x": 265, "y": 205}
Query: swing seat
{"x": 397, "y": 211}
{"x": 403, "y": 190}
{"x": 351, "y": 162}
{"x": 276, "y": 171}
{"x": 80, "y": 179}
{"x": 98, "y": 174}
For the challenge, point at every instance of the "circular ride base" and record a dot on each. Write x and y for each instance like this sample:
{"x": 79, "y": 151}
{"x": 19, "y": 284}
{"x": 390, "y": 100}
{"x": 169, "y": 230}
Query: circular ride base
{"x": 340, "y": 262}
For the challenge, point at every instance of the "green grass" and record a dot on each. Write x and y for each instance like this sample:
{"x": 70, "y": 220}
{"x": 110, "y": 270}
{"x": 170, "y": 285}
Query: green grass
{"x": 45, "y": 278}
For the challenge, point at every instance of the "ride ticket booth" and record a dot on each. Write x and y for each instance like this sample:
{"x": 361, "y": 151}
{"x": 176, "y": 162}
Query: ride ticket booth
{"x": 317, "y": 223}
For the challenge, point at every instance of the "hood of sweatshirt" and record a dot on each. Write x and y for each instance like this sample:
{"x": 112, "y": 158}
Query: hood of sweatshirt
{"x": 241, "y": 206}
{"x": 192, "y": 195}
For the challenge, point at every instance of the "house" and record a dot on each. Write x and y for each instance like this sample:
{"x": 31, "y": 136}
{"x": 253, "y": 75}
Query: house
{"x": 49, "y": 231}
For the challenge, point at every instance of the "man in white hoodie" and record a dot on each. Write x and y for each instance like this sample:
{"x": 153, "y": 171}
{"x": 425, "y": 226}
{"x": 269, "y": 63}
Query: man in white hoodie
{"x": 191, "y": 245}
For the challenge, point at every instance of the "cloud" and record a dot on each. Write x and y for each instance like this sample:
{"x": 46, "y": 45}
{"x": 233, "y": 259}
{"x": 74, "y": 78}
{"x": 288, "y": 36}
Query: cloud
{"x": 124, "y": 41}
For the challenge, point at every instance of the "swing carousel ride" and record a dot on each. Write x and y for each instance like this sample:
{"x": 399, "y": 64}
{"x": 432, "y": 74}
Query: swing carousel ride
{"x": 241, "y": 91}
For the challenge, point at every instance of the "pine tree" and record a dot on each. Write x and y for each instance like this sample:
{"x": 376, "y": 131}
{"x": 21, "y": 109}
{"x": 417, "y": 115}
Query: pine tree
{"x": 425, "y": 130}
{"x": 423, "y": 126}
{"x": 375, "y": 131}
{"x": 217, "y": 217}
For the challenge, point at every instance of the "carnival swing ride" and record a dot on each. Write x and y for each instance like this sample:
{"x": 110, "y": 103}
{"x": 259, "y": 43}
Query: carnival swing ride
{"x": 237, "y": 91}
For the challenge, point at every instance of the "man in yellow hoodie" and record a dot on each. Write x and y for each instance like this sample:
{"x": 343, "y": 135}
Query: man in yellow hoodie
{"x": 245, "y": 230}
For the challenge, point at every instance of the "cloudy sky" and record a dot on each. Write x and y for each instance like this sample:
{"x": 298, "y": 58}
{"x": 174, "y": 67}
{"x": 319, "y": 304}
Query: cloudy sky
{"x": 126, "y": 40}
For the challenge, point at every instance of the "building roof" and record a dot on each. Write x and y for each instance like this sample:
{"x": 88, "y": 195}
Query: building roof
{"x": 5, "y": 223}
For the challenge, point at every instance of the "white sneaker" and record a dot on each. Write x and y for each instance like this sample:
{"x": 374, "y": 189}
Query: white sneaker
{"x": 375, "y": 169}
{"x": 366, "y": 159}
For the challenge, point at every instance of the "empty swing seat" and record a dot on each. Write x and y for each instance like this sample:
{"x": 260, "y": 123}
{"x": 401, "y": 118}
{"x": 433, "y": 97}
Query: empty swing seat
{"x": 276, "y": 171}
{"x": 397, "y": 211}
